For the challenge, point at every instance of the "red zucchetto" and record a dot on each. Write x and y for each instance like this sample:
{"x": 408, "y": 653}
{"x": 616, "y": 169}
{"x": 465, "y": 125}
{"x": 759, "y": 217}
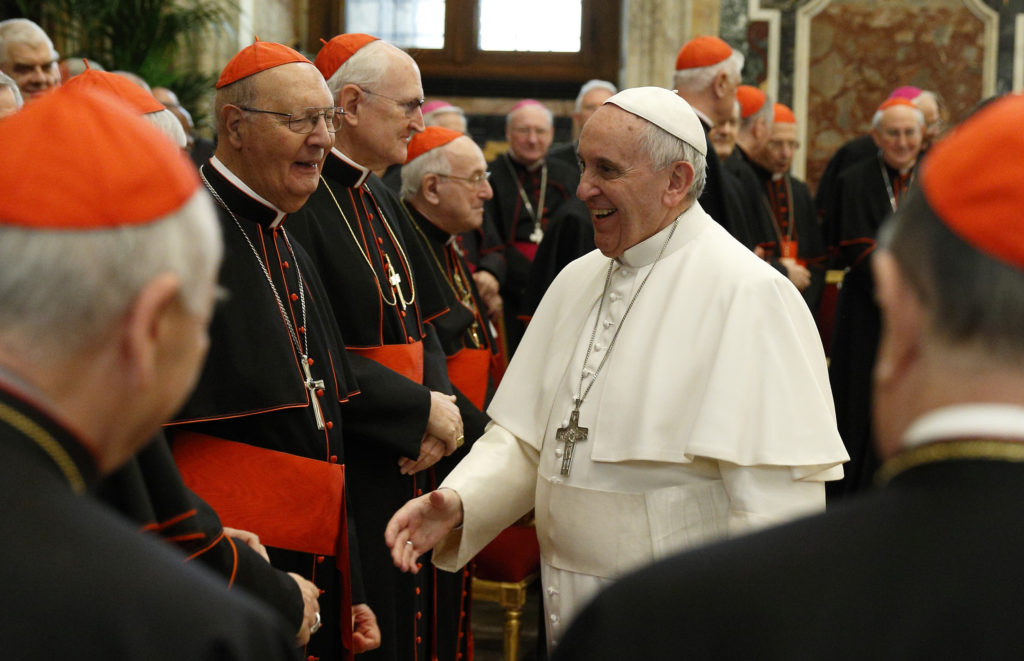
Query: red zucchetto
{"x": 429, "y": 138}
{"x": 119, "y": 86}
{"x": 751, "y": 100}
{"x": 783, "y": 114}
{"x": 972, "y": 180}
{"x": 79, "y": 159}
{"x": 702, "y": 52}
{"x": 337, "y": 51}
{"x": 260, "y": 56}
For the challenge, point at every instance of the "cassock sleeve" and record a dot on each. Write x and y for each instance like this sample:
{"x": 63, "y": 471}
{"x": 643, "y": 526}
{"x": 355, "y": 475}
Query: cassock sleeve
{"x": 496, "y": 483}
{"x": 150, "y": 491}
{"x": 389, "y": 408}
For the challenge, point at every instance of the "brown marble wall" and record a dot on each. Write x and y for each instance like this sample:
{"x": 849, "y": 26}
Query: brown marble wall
{"x": 861, "y": 49}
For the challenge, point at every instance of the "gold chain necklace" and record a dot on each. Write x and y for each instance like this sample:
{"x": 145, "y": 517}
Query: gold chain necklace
{"x": 47, "y": 443}
{"x": 459, "y": 287}
{"x": 394, "y": 279}
{"x": 979, "y": 448}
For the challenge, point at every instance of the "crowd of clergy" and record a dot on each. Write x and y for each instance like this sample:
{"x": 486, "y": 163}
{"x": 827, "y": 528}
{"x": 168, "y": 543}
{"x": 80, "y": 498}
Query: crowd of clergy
{"x": 372, "y": 350}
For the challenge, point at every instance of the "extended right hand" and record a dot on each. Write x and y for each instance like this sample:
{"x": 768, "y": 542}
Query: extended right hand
{"x": 420, "y": 524}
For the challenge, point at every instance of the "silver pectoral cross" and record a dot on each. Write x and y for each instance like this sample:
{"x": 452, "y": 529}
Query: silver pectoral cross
{"x": 537, "y": 235}
{"x": 571, "y": 434}
{"x": 395, "y": 281}
{"x": 312, "y": 386}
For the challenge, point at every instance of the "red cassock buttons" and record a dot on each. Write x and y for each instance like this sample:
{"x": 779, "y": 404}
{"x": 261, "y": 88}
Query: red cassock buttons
{"x": 330, "y": 425}
{"x": 334, "y": 459}
{"x": 294, "y": 297}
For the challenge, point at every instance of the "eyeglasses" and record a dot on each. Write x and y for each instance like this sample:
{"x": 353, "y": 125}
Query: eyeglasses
{"x": 306, "y": 120}
{"x": 476, "y": 180}
{"x": 409, "y": 108}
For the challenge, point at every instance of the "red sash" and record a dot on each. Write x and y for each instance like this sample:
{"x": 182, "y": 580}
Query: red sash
{"x": 406, "y": 359}
{"x": 528, "y": 248}
{"x": 468, "y": 370}
{"x": 291, "y": 502}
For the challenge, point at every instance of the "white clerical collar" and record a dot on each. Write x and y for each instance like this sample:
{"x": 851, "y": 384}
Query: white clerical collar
{"x": 242, "y": 186}
{"x": 365, "y": 172}
{"x": 646, "y": 252}
{"x": 967, "y": 421}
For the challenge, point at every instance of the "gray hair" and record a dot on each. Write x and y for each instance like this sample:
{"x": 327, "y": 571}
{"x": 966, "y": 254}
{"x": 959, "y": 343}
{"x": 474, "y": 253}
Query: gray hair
{"x": 664, "y": 149}
{"x": 974, "y": 299}
{"x": 63, "y": 289}
{"x": 435, "y": 160}
{"x": 699, "y": 78}
{"x": 767, "y": 111}
{"x": 239, "y": 93}
{"x": 22, "y": 31}
{"x": 9, "y": 83}
{"x": 547, "y": 111}
{"x": 366, "y": 68}
{"x": 168, "y": 123}
{"x": 876, "y": 119}
{"x": 590, "y": 85}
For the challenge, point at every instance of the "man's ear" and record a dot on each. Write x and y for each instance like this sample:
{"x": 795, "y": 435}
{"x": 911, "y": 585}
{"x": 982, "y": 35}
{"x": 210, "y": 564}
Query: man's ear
{"x": 232, "y": 116}
{"x": 904, "y": 321}
{"x": 679, "y": 181}
{"x": 428, "y": 188}
{"x": 720, "y": 84}
{"x": 350, "y": 97}
{"x": 146, "y": 325}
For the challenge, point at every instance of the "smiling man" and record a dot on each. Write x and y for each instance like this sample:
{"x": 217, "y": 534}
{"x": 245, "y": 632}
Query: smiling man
{"x": 382, "y": 286}
{"x": 27, "y": 55}
{"x": 670, "y": 390}
{"x": 268, "y": 403}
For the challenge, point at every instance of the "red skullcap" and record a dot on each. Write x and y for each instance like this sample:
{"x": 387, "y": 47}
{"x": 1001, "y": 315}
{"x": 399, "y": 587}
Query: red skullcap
{"x": 751, "y": 100}
{"x": 893, "y": 102}
{"x": 972, "y": 180}
{"x": 702, "y": 52}
{"x": 260, "y": 56}
{"x": 429, "y": 138}
{"x": 139, "y": 99}
{"x": 114, "y": 167}
{"x": 783, "y": 115}
{"x": 337, "y": 51}
{"x": 526, "y": 102}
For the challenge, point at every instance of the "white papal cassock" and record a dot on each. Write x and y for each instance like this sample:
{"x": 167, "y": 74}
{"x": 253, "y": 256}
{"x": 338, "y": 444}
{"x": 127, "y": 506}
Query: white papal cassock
{"x": 712, "y": 415}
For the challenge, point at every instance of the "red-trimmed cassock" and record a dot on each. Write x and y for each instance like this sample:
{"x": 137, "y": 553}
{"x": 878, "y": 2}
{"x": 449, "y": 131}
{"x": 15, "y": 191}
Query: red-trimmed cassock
{"x": 260, "y": 438}
{"x": 384, "y": 294}
{"x": 866, "y": 193}
{"x": 794, "y": 224}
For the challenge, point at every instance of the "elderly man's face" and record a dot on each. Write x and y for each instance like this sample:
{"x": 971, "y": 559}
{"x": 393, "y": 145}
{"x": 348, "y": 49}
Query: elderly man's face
{"x": 898, "y": 135}
{"x": 529, "y": 134}
{"x": 8, "y": 104}
{"x": 33, "y": 67}
{"x": 618, "y": 184}
{"x": 281, "y": 165}
{"x": 932, "y": 118}
{"x": 461, "y": 206}
{"x": 450, "y": 120}
{"x": 589, "y": 104}
{"x": 777, "y": 154}
{"x": 723, "y": 134}
{"x": 390, "y": 114}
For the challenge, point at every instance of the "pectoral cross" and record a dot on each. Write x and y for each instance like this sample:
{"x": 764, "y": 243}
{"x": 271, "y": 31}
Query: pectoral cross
{"x": 571, "y": 434}
{"x": 537, "y": 235}
{"x": 312, "y": 386}
{"x": 395, "y": 281}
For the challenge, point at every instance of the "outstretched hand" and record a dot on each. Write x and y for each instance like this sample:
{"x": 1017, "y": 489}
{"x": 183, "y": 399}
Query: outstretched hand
{"x": 420, "y": 524}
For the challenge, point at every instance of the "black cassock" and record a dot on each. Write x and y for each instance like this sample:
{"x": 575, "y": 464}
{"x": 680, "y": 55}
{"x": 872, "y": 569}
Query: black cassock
{"x": 358, "y": 249}
{"x": 508, "y": 219}
{"x": 860, "y": 203}
{"x": 81, "y": 581}
{"x": 927, "y": 568}
{"x": 252, "y": 388}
